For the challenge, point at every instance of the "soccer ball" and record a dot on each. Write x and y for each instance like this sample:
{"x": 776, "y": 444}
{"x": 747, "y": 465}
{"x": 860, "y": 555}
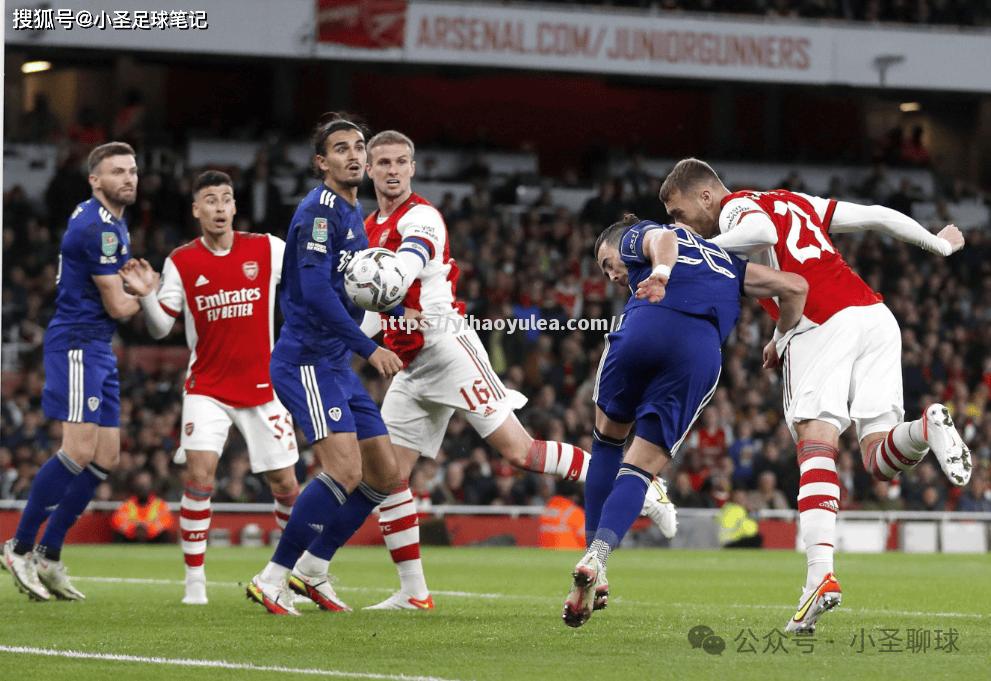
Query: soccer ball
{"x": 373, "y": 280}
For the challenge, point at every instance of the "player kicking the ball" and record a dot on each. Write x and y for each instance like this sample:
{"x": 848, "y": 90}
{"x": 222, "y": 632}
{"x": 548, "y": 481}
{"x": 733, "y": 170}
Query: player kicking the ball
{"x": 845, "y": 370}
{"x": 658, "y": 371}
{"x": 445, "y": 368}
{"x": 224, "y": 286}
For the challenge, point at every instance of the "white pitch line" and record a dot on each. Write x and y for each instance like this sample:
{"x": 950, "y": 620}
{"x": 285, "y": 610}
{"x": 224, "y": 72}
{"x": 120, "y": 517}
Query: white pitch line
{"x": 521, "y": 597}
{"x": 213, "y": 664}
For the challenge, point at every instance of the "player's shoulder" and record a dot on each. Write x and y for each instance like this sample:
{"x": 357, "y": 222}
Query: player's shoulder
{"x": 254, "y": 237}
{"x": 423, "y": 214}
{"x": 184, "y": 251}
{"x": 738, "y": 205}
{"x": 90, "y": 214}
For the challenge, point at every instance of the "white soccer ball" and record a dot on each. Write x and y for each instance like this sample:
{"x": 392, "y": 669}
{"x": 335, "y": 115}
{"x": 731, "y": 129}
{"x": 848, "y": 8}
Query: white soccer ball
{"x": 373, "y": 280}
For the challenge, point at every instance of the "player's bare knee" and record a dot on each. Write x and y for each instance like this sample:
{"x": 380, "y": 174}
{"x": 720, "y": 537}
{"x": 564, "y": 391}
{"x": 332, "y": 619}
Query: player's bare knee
{"x": 79, "y": 442}
{"x": 282, "y": 481}
{"x": 512, "y": 441}
{"x": 610, "y": 428}
{"x": 821, "y": 431}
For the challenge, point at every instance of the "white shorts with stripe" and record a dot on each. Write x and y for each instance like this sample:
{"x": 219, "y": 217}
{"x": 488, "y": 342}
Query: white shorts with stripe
{"x": 450, "y": 372}
{"x": 847, "y": 371}
{"x": 267, "y": 430}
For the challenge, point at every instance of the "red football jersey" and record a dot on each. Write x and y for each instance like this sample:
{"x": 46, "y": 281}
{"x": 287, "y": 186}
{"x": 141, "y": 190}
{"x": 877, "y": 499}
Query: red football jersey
{"x": 435, "y": 290}
{"x": 804, "y": 248}
{"x": 228, "y": 301}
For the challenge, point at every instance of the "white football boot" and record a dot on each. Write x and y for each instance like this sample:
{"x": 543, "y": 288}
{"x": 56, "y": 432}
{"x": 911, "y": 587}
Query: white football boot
{"x": 403, "y": 601}
{"x": 946, "y": 444}
{"x": 589, "y": 588}
{"x": 25, "y": 572}
{"x": 318, "y": 590}
{"x": 55, "y": 577}
{"x": 826, "y": 596}
{"x": 658, "y": 507}
{"x": 276, "y": 598}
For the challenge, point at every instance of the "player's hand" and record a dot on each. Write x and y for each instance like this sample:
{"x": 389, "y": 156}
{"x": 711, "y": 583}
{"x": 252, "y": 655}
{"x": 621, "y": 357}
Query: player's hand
{"x": 416, "y": 316}
{"x": 386, "y": 362}
{"x": 653, "y": 288}
{"x": 771, "y": 358}
{"x": 952, "y": 235}
{"x": 139, "y": 277}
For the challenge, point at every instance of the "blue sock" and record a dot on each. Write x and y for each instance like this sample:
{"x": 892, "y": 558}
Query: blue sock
{"x": 313, "y": 511}
{"x": 77, "y": 496}
{"x": 47, "y": 490}
{"x": 621, "y": 508}
{"x": 607, "y": 455}
{"x": 359, "y": 506}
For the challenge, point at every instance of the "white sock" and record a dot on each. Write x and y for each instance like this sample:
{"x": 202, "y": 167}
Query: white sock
{"x": 819, "y": 558}
{"x": 311, "y": 565}
{"x": 274, "y": 573}
{"x": 195, "y": 574}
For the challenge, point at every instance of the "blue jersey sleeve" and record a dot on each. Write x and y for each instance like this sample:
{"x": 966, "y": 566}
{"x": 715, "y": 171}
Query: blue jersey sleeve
{"x": 318, "y": 261}
{"x": 100, "y": 249}
{"x": 631, "y": 245}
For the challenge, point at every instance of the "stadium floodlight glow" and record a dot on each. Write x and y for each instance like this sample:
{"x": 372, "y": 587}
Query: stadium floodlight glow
{"x": 908, "y": 107}
{"x": 35, "y": 66}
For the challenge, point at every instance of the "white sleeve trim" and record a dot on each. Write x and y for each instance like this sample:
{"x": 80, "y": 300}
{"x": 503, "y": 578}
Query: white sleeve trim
{"x": 371, "y": 324}
{"x": 278, "y": 247}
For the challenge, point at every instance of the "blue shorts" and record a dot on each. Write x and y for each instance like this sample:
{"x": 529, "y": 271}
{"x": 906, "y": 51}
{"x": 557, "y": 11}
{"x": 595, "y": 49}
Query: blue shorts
{"x": 82, "y": 385}
{"x": 659, "y": 368}
{"x": 326, "y": 398}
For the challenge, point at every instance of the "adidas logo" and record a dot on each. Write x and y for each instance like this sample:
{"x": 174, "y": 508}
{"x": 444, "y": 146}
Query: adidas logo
{"x": 489, "y": 411}
{"x": 350, "y": 233}
{"x": 202, "y": 281}
{"x": 831, "y": 505}
{"x": 316, "y": 527}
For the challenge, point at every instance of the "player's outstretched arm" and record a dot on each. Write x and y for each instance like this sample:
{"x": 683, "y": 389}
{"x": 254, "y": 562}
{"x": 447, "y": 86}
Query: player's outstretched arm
{"x": 852, "y": 217}
{"x": 791, "y": 291}
{"x": 661, "y": 247}
{"x": 117, "y": 303}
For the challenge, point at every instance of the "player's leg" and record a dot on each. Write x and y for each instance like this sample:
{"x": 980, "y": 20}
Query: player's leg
{"x": 818, "y": 371}
{"x": 205, "y": 426}
{"x": 48, "y": 553}
{"x": 379, "y": 475}
{"x": 415, "y": 427}
{"x": 68, "y": 380}
{"x": 888, "y": 444}
{"x": 271, "y": 436}
{"x": 318, "y": 404}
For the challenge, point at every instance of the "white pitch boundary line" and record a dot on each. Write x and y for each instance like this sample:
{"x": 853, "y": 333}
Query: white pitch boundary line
{"x": 520, "y": 597}
{"x": 212, "y": 664}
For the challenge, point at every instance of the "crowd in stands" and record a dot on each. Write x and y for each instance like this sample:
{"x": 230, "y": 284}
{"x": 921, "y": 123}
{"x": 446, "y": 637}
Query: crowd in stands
{"x": 946, "y": 12}
{"x": 535, "y": 261}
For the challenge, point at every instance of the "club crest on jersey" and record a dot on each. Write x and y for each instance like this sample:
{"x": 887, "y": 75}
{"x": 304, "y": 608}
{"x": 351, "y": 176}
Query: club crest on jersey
{"x": 188, "y": 428}
{"x": 93, "y": 403}
{"x": 108, "y": 243}
{"x": 334, "y": 413}
{"x": 320, "y": 230}
{"x": 250, "y": 270}
{"x": 384, "y": 238}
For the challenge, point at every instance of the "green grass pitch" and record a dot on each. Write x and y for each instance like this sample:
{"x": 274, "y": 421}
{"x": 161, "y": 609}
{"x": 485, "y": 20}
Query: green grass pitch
{"x": 498, "y": 616}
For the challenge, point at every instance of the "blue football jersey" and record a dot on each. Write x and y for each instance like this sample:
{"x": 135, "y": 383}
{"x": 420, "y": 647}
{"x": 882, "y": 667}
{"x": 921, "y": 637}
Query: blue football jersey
{"x": 706, "y": 281}
{"x": 324, "y": 234}
{"x": 94, "y": 243}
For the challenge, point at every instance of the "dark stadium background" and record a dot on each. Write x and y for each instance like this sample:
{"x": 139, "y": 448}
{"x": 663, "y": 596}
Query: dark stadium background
{"x": 601, "y": 142}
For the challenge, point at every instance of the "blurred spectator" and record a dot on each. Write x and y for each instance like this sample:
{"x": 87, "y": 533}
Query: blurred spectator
{"x": 129, "y": 123}
{"x": 914, "y": 151}
{"x": 767, "y": 495}
{"x": 40, "y": 124}
{"x": 737, "y": 530}
{"x": 977, "y": 498}
{"x": 143, "y": 517}
{"x": 86, "y": 132}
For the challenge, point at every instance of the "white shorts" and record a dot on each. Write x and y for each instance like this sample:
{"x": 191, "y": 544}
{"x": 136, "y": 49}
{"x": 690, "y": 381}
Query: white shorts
{"x": 847, "y": 370}
{"x": 451, "y": 372}
{"x": 267, "y": 429}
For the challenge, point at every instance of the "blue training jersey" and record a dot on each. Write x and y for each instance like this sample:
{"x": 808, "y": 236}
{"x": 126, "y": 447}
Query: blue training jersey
{"x": 321, "y": 322}
{"x": 706, "y": 281}
{"x": 94, "y": 243}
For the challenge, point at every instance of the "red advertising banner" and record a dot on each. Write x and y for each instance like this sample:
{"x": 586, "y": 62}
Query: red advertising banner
{"x": 371, "y": 24}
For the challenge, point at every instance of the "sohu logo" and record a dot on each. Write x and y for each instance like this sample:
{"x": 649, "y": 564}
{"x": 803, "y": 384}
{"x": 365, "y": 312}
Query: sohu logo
{"x": 704, "y": 637}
